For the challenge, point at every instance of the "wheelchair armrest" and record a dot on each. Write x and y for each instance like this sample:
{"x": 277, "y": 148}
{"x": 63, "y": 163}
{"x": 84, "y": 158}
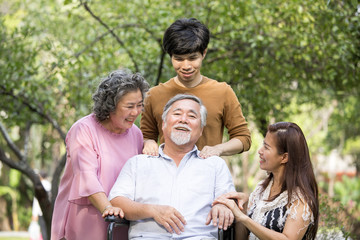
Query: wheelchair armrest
{"x": 117, "y": 220}
{"x": 228, "y": 234}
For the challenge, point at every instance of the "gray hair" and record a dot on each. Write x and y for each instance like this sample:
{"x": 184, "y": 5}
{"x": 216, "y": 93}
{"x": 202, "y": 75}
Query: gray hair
{"x": 178, "y": 97}
{"x": 112, "y": 88}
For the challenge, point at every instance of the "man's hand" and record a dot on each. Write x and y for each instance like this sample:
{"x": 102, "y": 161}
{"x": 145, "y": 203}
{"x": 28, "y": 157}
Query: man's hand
{"x": 170, "y": 218}
{"x": 208, "y": 151}
{"x": 150, "y": 147}
{"x": 220, "y": 215}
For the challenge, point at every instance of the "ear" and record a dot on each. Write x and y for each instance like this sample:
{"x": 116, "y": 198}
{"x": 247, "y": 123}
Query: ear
{"x": 284, "y": 158}
{"x": 162, "y": 125}
{"x": 204, "y": 53}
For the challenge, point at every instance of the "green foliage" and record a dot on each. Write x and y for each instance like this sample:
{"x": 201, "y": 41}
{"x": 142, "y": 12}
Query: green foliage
{"x": 14, "y": 178}
{"x": 348, "y": 193}
{"x": 334, "y": 223}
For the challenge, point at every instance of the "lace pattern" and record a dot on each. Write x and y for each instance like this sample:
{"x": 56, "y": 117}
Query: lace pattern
{"x": 259, "y": 209}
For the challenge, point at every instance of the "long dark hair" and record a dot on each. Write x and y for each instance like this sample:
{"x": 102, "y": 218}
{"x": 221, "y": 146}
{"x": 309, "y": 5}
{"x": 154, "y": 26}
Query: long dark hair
{"x": 299, "y": 173}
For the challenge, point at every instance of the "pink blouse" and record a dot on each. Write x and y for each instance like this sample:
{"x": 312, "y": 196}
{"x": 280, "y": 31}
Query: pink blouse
{"x": 95, "y": 157}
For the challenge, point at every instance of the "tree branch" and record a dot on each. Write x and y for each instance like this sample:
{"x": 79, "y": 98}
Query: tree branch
{"x": 87, "y": 8}
{"x": 162, "y": 57}
{"x": 11, "y": 144}
{"x": 38, "y": 109}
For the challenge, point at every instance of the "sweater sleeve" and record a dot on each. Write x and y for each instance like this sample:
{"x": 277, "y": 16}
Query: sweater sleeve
{"x": 234, "y": 119}
{"x": 85, "y": 162}
{"x": 148, "y": 123}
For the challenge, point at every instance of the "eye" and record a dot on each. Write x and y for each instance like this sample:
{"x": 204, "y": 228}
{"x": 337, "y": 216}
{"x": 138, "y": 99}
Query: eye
{"x": 178, "y": 59}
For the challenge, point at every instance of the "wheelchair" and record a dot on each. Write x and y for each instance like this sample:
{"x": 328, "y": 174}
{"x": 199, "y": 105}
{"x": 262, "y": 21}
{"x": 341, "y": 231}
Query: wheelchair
{"x": 116, "y": 221}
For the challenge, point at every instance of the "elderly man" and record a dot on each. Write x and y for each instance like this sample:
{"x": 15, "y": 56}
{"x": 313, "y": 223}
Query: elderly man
{"x": 169, "y": 196}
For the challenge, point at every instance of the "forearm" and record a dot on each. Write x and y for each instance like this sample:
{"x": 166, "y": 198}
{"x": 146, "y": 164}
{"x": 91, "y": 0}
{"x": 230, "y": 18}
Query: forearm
{"x": 260, "y": 231}
{"x": 231, "y": 147}
{"x": 133, "y": 210}
{"x": 241, "y": 232}
{"x": 100, "y": 201}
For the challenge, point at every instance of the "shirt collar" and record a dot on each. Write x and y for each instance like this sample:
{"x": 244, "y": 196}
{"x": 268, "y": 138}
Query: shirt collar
{"x": 195, "y": 151}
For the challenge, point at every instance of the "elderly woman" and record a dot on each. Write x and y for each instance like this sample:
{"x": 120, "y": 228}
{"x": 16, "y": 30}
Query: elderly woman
{"x": 98, "y": 146}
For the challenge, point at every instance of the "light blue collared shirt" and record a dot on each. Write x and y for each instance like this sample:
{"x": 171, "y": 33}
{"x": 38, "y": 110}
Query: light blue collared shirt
{"x": 190, "y": 187}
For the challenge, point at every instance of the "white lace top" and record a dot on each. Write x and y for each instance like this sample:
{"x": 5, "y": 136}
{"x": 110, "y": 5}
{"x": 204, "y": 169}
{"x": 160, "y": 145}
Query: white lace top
{"x": 273, "y": 214}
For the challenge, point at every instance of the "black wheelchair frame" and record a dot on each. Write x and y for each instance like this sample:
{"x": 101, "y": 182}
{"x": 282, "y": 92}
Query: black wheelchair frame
{"x": 116, "y": 221}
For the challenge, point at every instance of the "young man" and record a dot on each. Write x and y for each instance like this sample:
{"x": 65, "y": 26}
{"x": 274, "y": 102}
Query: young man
{"x": 186, "y": 42}
{"x": 169, "y": 196}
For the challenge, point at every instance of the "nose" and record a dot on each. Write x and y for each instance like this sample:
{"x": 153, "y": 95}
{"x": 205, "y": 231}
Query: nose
{"x": 183, "y": 119}
{"x": 186, "y": 64}
{"x": 136, "y": 111}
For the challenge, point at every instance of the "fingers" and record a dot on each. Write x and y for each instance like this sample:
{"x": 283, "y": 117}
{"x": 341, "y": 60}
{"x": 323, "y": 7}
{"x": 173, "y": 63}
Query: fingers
{"x": 239, "y": 196}
{"x": 208, "y": 151}
{"x": 170, "y": 218}
{"x": 221, "y": 216}
{"x": 151, "y": 148}
{"x": 113, "y": 211}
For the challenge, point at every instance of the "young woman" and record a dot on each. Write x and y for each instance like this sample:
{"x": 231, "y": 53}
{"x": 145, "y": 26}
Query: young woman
{"x": 285, "y": 205}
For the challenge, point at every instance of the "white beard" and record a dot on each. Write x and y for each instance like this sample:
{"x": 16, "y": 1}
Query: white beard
{"x": 180, "y": 138}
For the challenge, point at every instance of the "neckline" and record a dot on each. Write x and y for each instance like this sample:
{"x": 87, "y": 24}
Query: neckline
{"x": 177, "y": 81}
{"x": 98, "y": 123}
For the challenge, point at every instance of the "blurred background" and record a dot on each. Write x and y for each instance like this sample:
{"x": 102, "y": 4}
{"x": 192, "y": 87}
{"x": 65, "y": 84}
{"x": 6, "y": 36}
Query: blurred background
{"x": 286, "y": 61}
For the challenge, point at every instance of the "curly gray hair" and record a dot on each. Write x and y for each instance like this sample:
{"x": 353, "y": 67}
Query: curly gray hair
{"x": 112, "y": 88}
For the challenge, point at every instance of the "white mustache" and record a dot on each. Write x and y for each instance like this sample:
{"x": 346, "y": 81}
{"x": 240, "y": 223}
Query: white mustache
{"x": 183, "y": 126}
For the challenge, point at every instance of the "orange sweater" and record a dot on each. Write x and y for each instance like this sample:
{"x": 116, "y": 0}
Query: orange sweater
{"x": 220, "y": 101}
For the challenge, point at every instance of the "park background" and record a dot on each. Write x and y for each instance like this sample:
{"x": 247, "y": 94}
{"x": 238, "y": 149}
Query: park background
{"x": 286, "y": 61}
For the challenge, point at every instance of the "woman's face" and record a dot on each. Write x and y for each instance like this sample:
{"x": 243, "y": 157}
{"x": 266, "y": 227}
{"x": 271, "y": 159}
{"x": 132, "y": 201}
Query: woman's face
{"x": 270, "y": 160}
{"x": 127, "y": 110}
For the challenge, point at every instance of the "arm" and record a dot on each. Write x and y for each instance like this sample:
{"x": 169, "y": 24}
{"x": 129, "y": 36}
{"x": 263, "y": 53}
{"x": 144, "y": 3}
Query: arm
{"x": 294, "y": 229}
{"x": 101, "y": 202}
{"x": 166, "y": 216}
{"x": 228, "y": 148}
{"x": 148, "y": 126}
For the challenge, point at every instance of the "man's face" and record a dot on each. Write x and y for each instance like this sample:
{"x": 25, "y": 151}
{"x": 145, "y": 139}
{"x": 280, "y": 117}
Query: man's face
{"x": 183, "y": 122}
{"x": 187, "y": 66}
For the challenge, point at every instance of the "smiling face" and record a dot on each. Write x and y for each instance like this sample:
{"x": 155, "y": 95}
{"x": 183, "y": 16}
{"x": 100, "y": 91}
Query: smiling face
{"x": 183, "y": 122}
{"x": 270, "y": 159}
{"x": 127, "y": 110}
{"x": 187, "y": 67}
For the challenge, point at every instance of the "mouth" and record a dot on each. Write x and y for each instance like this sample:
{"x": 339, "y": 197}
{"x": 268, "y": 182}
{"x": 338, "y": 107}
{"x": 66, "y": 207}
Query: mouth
{"x": 187, "y": 74}
{"x": 182, "y": 128}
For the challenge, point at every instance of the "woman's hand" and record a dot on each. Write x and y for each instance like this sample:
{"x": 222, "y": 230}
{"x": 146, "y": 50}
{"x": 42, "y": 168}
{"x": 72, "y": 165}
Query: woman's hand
{"x": 240, "y": 197}
{"x": 231, "y": 204}
{"x": 111, "y": 210}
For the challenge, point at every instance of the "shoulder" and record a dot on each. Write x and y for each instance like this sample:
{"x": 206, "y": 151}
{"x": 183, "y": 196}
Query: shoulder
{"x": 217, "y": 163}
{"x": 135, "y": 130}
{"x": 83, "y": 124}
{"x": 162, "y": 86}
{"x": 220, "y": 87}
{"x": 215, "y": 83}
